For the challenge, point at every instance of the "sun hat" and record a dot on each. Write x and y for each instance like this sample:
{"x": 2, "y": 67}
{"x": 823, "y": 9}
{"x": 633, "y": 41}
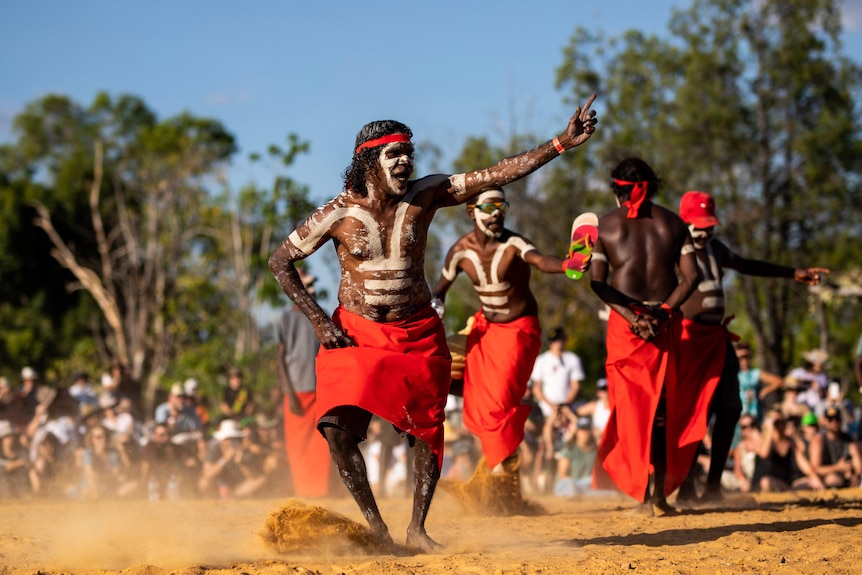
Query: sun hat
{"x": 820, "y": 356}
{"x": 228, "y": 429}
{"x": 28, "y": 373}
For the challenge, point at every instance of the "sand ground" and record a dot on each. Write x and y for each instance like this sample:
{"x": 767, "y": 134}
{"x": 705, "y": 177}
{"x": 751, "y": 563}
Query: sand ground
{"x": 805, "y": 532}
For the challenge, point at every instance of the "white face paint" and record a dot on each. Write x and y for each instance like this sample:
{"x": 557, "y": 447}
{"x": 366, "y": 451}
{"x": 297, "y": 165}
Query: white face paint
{"x": 700, "y": 236}
{"x": 482, "y": 217}
{"x": 401, "y": 163}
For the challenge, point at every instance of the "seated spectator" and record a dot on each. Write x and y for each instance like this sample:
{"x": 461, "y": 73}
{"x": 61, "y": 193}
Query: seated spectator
{"x": 50, "y": 473}
{"x": 575, "y": 459}
{"x": 82, "y": 391}
{"x": 272, "y": 456}
{"x": 105, "y": 473}
{"x": 834, "y": 455}
{"x": 25, "y": 398}
{"x": 759, "y": 390}
{"x": 780, "y": 464}
{"x": 237, "y": 401}
{"x": 108, "y": 391}
{"x": 191, "y": 448}
{"x": 556, "y": 381}
{"x": 56, "y": 415}
{"x": 7, "y": 400}
{"x": 15, "y": 480}
{"x": 745, "y": 452}
{"x": 229, "y": 468}
{"x": 193, "y": 397}
{"x": 161, "y": 465}
{"x": 790, "y": 404}
{"x": 598, "y": 410}
{"x": 178, "y": 412}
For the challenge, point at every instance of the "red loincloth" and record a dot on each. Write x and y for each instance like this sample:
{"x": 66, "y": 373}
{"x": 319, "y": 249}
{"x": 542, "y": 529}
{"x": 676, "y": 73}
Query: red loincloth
{"x": 399, "y": 370}
{"x": 500, "y": 358}
{"x": 636, "y": 370}
{"x": 307, "y": 450}
{"x": 701, "y": 361}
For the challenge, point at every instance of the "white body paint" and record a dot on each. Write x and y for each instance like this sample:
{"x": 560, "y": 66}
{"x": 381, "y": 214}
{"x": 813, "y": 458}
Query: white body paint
{"x": 711, "y": 282}
{"x": 393, "y": 288}
{"x": 488, "y": 284}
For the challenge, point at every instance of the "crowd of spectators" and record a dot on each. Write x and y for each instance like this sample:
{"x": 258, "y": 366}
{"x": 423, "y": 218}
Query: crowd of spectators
{"x": 89, "y": 440}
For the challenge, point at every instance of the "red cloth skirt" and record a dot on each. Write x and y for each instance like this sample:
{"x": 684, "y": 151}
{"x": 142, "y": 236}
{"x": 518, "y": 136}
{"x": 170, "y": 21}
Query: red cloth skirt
{"x": 701, "y": 361}
{"x": 398, "y": 370}
{"x": 500, "y": 358}
{"x": 636, "y": 372}
{"x": 307, "y": 450}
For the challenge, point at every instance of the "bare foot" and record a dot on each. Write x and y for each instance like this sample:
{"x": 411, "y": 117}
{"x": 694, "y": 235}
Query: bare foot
{"x": 664, "y": 509}
{"x": 419, "y": 539}
{"x": 382, "y": 540}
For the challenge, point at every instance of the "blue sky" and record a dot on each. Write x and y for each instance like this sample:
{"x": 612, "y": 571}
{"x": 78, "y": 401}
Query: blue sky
{"x": 265, "y": 68}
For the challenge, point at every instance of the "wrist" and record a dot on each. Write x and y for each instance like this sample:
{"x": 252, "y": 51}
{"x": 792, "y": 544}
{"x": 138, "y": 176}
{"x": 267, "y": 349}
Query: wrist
{"x": 557, "y": 145}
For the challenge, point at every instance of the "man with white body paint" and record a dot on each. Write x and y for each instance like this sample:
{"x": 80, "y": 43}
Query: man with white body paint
{"x": 506, "y": 336}
{"x": 707, "y": 357}
{"x": 384, "y": 348}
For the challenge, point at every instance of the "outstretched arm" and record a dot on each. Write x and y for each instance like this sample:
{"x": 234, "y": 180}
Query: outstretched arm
{"x": 462, "y": 187}
{"x": 760, "y": 268}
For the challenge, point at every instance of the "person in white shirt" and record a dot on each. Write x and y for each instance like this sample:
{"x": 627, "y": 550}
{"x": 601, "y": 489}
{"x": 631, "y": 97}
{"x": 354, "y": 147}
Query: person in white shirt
{"x": 556, "y": 381}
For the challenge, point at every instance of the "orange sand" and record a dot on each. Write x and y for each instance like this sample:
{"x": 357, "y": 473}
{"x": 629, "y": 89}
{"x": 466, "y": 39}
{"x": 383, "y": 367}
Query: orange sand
{"x": 783, "y": 533}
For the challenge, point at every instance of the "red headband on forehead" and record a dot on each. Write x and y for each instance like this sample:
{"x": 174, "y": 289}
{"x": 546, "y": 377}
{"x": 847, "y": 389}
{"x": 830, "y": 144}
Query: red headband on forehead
{"x": 383, "y": 140}
{"x": 637, "y": 197}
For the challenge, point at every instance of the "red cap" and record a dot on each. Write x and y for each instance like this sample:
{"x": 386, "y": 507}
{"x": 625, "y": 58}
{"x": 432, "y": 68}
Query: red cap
{"x": 698, "y": 208}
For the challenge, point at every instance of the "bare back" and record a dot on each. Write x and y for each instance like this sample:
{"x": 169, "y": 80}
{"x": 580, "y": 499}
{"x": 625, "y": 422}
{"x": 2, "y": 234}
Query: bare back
{"x": 642, "y": 252}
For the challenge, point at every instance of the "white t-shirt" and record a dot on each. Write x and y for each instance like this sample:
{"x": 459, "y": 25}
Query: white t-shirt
{"x": 556, "y": 375}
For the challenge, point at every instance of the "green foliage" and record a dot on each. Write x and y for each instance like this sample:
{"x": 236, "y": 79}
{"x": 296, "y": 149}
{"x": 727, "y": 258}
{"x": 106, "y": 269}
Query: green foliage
{"x": 751, "y": 101}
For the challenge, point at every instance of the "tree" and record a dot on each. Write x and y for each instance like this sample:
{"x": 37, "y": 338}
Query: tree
{"x": 754, "y": 103}
{"x": 141, "y": 184}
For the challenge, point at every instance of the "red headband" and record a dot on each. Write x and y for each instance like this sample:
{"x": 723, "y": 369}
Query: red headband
{"x": 384, "y": 140}
{"x": 637, "y": 197}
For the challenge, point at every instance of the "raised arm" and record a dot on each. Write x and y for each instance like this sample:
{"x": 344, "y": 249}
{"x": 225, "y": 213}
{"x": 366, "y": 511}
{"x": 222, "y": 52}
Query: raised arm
{"x": 462, "y": 187}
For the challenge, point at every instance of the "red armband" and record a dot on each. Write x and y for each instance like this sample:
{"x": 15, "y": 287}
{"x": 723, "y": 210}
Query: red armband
{"x": 559, "y": 147}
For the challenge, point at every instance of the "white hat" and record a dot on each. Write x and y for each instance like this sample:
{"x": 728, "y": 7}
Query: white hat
{"x": 107, "y": 380}
{"x": 177, "y": 389}
{"x": 820, "y": 356}
{"x": 29, "y": 373}
{"x": 190, "y": 386}
{"x": 228, "y": 429}
{"x": 6, "y": 428}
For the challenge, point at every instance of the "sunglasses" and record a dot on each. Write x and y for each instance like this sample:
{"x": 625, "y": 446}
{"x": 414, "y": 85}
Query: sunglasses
{"x": 745, "y": 427}
{"x": 491, "y": 207}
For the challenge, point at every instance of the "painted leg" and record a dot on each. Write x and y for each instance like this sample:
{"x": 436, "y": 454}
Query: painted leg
{"x": 344, "y": 448}
{"x": 426, "y": 472}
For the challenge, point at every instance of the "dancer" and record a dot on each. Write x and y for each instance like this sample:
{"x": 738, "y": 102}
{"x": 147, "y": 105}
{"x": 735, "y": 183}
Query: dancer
{"x": 707, "y": 358}
{"x": 651, "y": 254}
{"x": 506, "y": 335}
{"x": 384, "y": 348}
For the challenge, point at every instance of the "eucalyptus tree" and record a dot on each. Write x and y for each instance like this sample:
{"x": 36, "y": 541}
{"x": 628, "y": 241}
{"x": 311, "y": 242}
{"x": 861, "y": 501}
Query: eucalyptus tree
{"x": 754, "y": 102}
{"x": 127, "y": 194}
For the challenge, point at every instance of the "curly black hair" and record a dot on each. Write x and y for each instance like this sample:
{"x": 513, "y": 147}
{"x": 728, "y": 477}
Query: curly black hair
{"x": 365, "y": 160}
{"x": 634, "y": 170}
